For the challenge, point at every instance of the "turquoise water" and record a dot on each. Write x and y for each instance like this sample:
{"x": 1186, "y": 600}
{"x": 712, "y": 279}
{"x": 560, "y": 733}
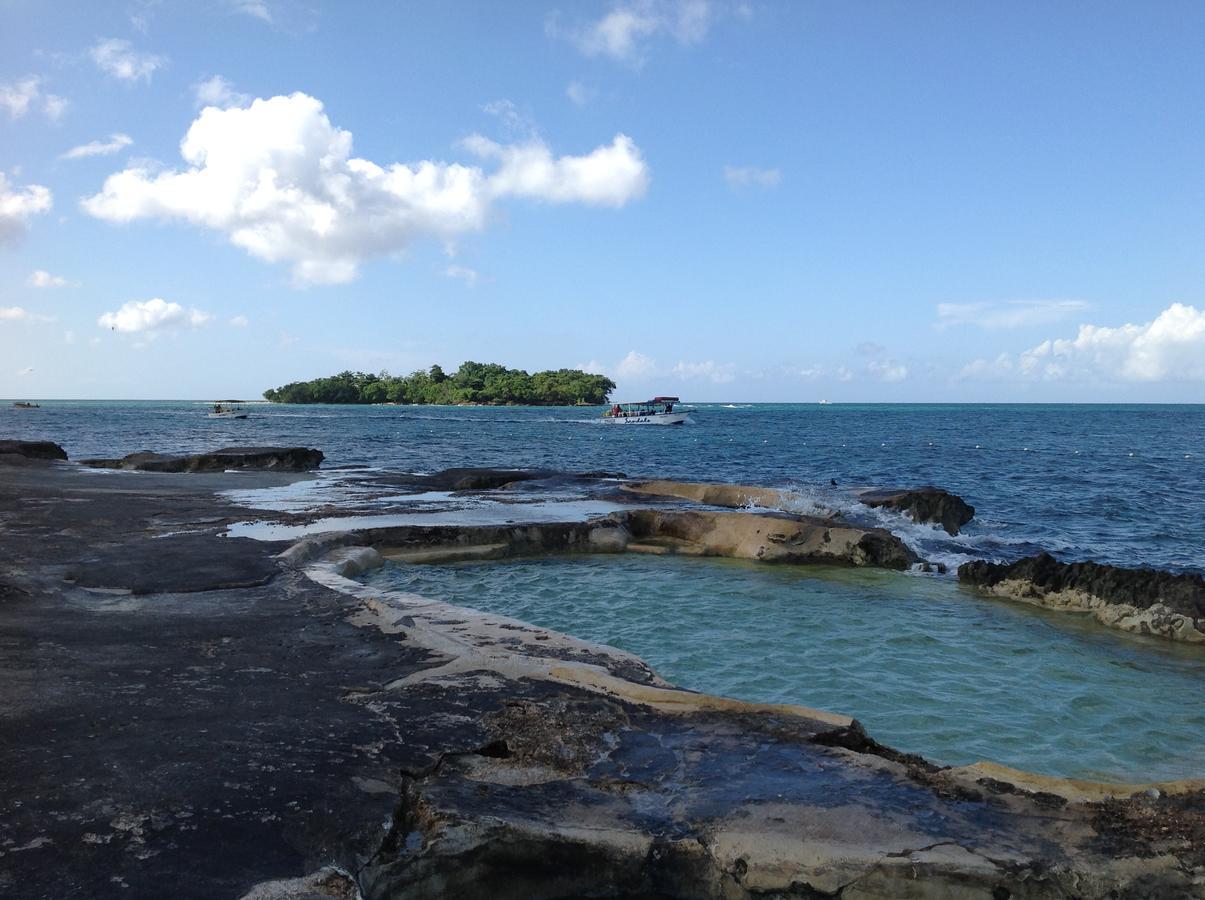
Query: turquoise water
{"x": 925, "y": 665}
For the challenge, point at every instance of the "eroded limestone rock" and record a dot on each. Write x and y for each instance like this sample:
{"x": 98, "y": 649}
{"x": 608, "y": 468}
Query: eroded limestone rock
{"x": 281, "y": 459}
{"x": 1142, "y": 601}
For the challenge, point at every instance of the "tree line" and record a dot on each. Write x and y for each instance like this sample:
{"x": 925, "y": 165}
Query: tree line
{"x": 473, "y": 383}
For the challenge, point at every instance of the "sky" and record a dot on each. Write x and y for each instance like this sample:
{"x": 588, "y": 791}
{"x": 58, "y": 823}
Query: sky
{"x": 723, "y": 200}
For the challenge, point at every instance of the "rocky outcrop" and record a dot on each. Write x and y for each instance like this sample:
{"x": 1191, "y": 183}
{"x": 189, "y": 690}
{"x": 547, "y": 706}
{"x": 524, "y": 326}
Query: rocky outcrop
{"x": 762, "y": 537}
{"x": 280, "y": 459}
{"x": 924, "y": 504}
{"x": 765, "y": 537}
{"x": 46, "y": 450}
{"x": 479, "y": 479}
{"x": 712, "y": 494}
{"x": 1143, "y": 601}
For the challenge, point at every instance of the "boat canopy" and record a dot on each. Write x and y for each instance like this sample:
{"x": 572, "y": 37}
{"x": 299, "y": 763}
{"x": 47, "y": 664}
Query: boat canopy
{"x": 664, "y": 400}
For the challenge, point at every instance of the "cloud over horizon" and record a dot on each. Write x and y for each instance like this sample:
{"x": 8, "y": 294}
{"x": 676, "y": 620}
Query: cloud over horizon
{"x": 1009, "y": 314}
{"x": 279, "y": 180}
{"x": 1170, "y": 347}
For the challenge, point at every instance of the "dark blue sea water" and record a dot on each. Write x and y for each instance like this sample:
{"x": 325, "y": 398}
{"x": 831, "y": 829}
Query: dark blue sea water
{"x": 1119, "y": 484}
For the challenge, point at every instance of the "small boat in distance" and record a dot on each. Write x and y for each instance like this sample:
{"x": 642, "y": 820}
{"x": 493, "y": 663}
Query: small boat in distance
{"x": 228, "y": 409}
{"x": 658, "y": 411}
{"x": 21, "y": 404}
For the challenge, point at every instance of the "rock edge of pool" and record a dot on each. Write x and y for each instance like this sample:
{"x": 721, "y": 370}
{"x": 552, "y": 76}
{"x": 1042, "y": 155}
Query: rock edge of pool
{"x": 193, "y": 715}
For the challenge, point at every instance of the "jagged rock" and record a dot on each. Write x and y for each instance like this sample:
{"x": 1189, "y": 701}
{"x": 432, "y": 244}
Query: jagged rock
{"x": 32, "y": 449}
{"x": 924, "y": 504}
{"x": 1145, "y": 601}
{"x": 283, "y": 459}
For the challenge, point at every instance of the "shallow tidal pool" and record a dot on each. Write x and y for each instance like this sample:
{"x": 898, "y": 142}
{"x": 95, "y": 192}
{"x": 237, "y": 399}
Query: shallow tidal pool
{"x": 927, "y": 666}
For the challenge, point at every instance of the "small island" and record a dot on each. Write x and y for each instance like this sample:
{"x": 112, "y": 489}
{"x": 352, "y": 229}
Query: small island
{"x": 486, "y": 384}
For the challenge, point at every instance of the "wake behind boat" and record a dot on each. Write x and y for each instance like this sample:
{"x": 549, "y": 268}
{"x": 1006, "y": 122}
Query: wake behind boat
{"x": 658, "y": 411}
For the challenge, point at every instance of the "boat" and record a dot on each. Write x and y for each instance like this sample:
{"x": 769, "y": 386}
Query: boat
{"x": 658, "y": 411}
{"x": 21, "y": 404}
{"x": 228, "y": 409}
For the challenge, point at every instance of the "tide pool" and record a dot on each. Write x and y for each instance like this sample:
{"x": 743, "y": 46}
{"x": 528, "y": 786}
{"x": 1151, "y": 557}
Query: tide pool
{"x": 926, "y": 666}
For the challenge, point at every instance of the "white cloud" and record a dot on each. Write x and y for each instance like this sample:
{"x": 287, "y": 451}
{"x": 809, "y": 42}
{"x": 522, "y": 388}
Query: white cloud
{"x": 887, "y": 370}
{"x": 68, "y": 337}
{"x": 634, "y": 365}
{"x": 152, "y": 315}
{"x": 22, "y": 373}
{"x": 18, "y": 205}
{"x": 239, "y": 321}
{"x": 19, "y": 314}
{"x": 257, "y": 9}
{"x": 579, "y": 93}
{"x": 709, "y": 370}
{"x": 469, "y": 276}
{"x": 625, "y": 32}
{"x": 608, "y": 176}
{"x": 19, "y": 97}
{"x": 1169, "y": 348}
{"x": 751, "y": 176}
{"x": 279, "y": 180}
{"x": 116, "y": 57}
{"x": 114, "y": 144}
{"x": 219, "y": 92}
{"x": 1011, "y": 314}
{"x": 40, "y": 278}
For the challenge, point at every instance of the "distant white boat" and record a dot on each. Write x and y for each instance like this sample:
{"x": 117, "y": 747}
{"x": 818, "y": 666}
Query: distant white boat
{"x": 824, "y": 403}
{"x": 658, "y": 411}
{"x": 228, "y": 409}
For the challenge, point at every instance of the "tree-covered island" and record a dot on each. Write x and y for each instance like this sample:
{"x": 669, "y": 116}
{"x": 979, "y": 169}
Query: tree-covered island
{"x": 473, "y": 383}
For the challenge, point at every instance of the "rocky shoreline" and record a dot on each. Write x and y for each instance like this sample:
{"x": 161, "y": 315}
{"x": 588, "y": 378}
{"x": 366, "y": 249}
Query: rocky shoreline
{"x": 195, "y": 715}
{"x": 1141, "y": 601}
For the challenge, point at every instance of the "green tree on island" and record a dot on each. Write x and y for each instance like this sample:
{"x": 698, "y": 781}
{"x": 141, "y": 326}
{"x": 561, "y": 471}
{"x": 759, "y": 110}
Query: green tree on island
{"x": 478, "y": 383}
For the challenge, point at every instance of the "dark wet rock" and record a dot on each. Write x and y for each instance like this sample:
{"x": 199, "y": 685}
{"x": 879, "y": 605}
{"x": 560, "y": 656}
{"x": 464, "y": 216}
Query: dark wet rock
{"x": 1145, "y": 601}
{"x": 485, "y": 479}
{"x": 281, "y": 459}
{"x": 177, "y": 564}
{"x": 924, "y": 504}
{"x": 32, "y": 450}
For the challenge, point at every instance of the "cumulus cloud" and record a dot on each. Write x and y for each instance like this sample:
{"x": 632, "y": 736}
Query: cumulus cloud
{"x": 625, "y": 32}
{"x": 40, "y": 278}
{"x": 634, "y": 365}
{"x": 717, "y": 373}
{"x": 887, "y": 370}
{"x": 464, "y": 273}
{"x": 19, "y": 97}
{"x": 118, "y": 58}
{"x": 278, "y": 179}
{"x": 1011, "y": 314}
{"x": 750, "y": 176}
{"x": 217, "y": 91}
{"x": 152, "y": 315}
{"x": 1171, "y": 347}
{"x": 114, "y": 144}
{"x": 18, "y": 205}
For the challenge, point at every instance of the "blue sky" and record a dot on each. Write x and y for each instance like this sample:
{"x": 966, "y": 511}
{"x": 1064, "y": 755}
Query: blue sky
{"x": 722, "y": 200}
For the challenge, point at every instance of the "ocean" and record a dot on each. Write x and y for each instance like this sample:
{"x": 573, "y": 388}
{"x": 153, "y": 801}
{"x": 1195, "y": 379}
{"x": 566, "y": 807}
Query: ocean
{"x": 1121, "y": 484}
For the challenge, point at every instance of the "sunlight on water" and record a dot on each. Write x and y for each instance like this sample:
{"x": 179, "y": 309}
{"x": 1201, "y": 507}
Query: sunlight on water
{"x": 927, "y": 666}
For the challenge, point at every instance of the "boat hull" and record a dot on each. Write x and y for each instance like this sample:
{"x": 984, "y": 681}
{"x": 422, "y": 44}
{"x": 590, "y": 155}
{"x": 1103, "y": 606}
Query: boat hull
{"x": 227, "y": 415}
{"x": 654, "y": 419}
